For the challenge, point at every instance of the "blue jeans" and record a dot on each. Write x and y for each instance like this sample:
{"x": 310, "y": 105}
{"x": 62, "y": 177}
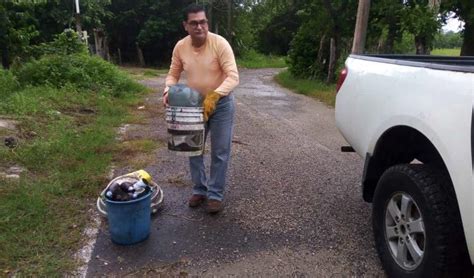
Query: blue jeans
{"x": 221, "y": 125}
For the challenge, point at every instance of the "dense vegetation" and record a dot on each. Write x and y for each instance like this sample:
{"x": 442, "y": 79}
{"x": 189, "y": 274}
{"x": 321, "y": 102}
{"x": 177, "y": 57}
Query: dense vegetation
{"x": 144, "y": 31}
{"x": 66, "y": 107}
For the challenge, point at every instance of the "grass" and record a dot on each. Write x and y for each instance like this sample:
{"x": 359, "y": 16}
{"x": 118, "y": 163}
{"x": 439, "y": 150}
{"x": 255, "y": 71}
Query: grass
{"x": 250, "y": 59}
{"x": 313, "y": 88}
{"x": 136, "y": 154}
{"x": 67, "y": 142}
{"x": 142, "y": 73}
{"x": 446, "y": 52}
{"x": 254, "y": 60}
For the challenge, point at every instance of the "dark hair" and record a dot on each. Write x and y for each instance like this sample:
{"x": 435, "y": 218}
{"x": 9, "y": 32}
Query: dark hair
{"x": 193, "y": 8}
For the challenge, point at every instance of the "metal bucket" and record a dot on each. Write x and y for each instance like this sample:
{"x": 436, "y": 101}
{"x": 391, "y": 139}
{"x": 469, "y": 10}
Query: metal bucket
{"x": 185, "y": 130}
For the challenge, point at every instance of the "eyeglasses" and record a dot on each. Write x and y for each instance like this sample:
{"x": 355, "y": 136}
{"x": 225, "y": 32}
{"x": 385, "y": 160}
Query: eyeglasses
{"x": 195, "y": 23}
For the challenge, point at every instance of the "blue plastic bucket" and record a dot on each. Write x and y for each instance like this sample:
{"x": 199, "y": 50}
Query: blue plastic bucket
{"x": 129, "y": 222}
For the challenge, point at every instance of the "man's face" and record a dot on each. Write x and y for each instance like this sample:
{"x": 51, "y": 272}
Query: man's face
{"x": 196, "y": 26}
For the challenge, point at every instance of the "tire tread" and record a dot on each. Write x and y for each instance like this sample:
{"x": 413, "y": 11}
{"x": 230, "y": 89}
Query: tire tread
{"x": 437, "y": 189}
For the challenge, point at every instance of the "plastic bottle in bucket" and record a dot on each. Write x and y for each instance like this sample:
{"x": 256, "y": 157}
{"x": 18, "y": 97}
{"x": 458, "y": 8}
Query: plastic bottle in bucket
{"x": 181, "y": 95}
{"x": 129, "y": 221}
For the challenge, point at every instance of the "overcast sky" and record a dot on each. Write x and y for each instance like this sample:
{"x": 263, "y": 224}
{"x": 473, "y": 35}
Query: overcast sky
{"x": 453, "y": 24}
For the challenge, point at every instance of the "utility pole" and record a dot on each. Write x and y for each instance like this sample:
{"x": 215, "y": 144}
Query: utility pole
{"x": 360, "y": 33}
{"x": 78, "y": 20}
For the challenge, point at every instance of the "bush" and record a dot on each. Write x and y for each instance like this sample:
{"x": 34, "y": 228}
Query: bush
{"x": 8, "y": 83}
{"x": 254, "y": 60}
{"x": 304, "y": 51}
{"x": 84, "y": 71}
{"x": 65, "y": 43}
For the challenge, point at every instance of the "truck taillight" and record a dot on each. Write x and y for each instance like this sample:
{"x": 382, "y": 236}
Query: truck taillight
{"x": 342, "y": 77}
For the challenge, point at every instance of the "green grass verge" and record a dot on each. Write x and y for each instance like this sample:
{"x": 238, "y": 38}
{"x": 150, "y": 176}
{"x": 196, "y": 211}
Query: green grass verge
{"x": 143, "y": 73}
{"x": 313, "y": 88}
{"x": 67, "y": 142}
{"x": 254, "y": 60}
{"x": 447, "y": 52}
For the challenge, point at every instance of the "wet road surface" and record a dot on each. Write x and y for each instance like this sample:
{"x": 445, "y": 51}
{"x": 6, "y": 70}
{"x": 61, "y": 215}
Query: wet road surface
{"x": 293, "y": 202}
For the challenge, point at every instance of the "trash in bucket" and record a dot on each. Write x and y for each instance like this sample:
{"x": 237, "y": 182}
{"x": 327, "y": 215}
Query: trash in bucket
{"x": 133, "y": 178}
{"x": 129, "y": 221}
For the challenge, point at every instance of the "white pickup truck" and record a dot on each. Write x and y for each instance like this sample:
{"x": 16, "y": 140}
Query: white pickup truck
{"x": 411, "y": 119}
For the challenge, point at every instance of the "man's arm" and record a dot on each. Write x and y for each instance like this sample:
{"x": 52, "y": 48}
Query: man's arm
{"x": 229, "y": 66}
{"x": 176, "y": 68}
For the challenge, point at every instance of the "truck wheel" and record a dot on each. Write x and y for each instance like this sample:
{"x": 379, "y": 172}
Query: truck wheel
{"x": 417, "y": 225}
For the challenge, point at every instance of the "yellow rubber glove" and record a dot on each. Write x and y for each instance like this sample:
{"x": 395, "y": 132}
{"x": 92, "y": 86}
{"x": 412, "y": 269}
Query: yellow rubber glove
{"x": 209, "y": 104}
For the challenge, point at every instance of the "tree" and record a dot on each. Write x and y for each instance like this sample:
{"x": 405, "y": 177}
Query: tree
{"x": 276, "y": 36}
{"x": 147, "y": 26}
{"x": 385, "y": 27}
{"x": 340, "y": 14}
{"x": 25, "y": 24}
{"x": 420, "y": 19}
{"x": 463, "y": 10}
{"x": 322, "y": 39}
{"x": 17, "y": 30}
{"x": 392, "y": 23}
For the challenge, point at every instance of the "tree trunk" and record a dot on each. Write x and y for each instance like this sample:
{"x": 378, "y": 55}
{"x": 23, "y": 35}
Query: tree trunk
{"x": 422, "y": 40}
{"x": 78, "y": 26}
{"x": 332, "y": 61}
{"x": 421, "y": 45}
{"x": 392, "y": 33}
{"x": 141, "y": 59}
{"x": 434, "y": 4}
{"x": 335, "y": 52}
{"x": 318, "y": 64}
{"x": 360, "y": 32}
{"x": 319, "y": 59}
{"x": 467, "y": 48}
{"x": 101, "y": 44}
{"x": 98, "y": 38}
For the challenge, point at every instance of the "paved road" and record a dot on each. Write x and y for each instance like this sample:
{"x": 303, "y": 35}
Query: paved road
{"x": 293, "y": 203}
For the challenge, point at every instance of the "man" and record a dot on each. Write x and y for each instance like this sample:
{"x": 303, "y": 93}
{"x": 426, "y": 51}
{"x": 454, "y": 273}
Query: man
{"x": 210, "y": 67}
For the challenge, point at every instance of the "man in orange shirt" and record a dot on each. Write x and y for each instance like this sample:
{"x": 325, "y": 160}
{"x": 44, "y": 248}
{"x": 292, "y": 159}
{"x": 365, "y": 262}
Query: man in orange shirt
{"x": 210, "y": 67}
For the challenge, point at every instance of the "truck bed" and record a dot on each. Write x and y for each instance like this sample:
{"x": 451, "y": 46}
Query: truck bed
{"x": 462, "y": 64}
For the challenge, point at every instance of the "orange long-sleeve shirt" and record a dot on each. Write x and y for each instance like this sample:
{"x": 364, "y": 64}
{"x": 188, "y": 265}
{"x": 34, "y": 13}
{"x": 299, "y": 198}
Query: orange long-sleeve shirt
{"x": 210, "y": 67}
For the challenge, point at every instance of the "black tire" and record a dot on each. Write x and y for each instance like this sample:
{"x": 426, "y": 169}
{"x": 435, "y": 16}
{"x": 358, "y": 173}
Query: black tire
{"x": 442, "y": 239}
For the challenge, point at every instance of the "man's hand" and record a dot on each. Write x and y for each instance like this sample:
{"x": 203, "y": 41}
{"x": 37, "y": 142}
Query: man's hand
{"x": 209, "y": 104}
{"x": 165, "y": 99}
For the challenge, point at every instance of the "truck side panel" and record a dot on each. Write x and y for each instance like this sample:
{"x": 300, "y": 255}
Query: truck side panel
{"x": 438, "y": 103}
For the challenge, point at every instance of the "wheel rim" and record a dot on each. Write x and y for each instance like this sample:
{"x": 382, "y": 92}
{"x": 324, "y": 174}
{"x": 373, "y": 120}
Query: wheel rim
{"x": 405, "y": 231}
